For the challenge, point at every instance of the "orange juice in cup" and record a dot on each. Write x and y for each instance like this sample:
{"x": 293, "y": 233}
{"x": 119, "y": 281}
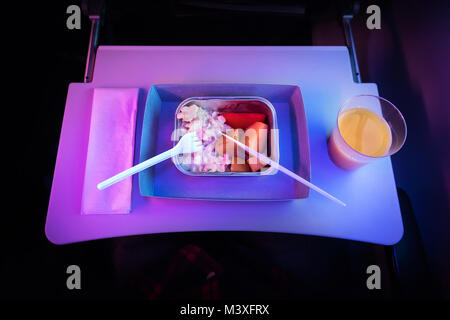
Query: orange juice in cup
{"x": 368, "y": 127}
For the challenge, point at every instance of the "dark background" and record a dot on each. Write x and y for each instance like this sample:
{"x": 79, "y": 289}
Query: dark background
{"x": 408, "y": 59}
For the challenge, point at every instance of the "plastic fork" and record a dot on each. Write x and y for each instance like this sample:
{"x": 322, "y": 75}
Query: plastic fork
{"x": 272, "y": 163}
{"x": 188, "y": 143}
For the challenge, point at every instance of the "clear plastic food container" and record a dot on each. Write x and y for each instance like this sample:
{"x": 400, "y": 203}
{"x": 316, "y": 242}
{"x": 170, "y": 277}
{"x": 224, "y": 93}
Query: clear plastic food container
{"x": 245, "y": 104}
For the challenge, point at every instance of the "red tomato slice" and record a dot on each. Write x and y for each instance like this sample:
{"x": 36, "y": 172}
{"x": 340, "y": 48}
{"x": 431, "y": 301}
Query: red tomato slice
{"x": 243, "y": 120}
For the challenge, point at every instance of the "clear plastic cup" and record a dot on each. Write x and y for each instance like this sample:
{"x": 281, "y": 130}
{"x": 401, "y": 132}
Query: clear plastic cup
{"x": 343, "y": 150}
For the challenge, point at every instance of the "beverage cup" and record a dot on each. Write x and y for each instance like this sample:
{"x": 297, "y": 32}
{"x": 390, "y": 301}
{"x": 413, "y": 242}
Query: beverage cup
{"x": 368, "y": 127}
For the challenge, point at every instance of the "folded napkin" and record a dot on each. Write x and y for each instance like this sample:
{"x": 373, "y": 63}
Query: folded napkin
{"x": 110, "y": 150}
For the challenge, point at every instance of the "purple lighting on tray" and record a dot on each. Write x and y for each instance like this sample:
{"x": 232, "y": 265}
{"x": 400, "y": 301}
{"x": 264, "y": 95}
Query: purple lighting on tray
{"x": 372, "y": 214}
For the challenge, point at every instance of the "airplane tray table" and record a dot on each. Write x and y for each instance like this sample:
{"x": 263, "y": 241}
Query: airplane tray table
{"x": 324, "y": 77}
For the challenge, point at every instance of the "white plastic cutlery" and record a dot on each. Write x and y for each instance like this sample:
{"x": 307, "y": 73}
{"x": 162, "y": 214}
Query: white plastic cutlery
{"x": 272, "y": 163}
{"x": 188, "y": 143}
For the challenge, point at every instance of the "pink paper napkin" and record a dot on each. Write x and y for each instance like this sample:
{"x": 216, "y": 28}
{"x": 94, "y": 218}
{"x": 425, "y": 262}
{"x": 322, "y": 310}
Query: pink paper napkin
{"x": 110, "y": 150}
